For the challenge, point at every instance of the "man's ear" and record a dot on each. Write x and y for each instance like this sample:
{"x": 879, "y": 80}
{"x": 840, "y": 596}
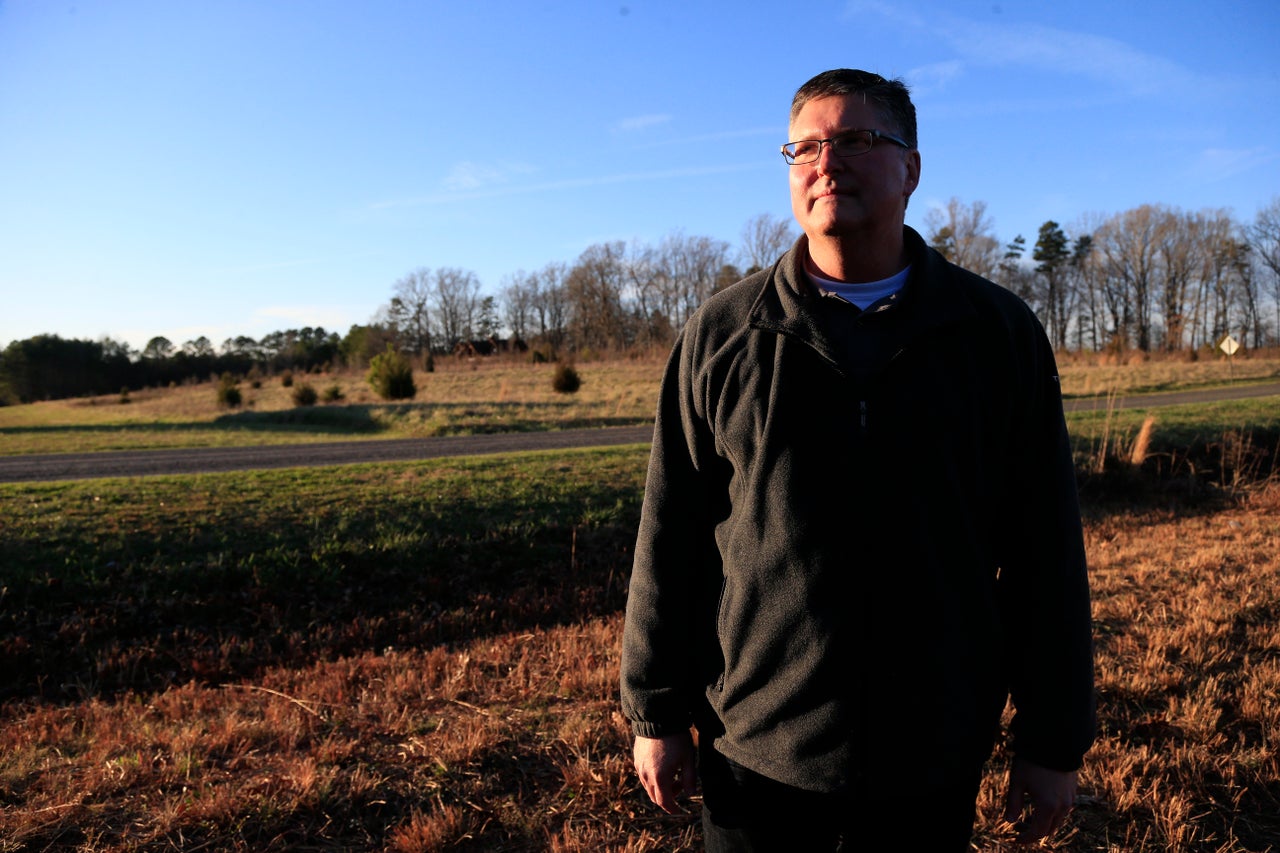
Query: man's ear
{"x": 913, "y": 172}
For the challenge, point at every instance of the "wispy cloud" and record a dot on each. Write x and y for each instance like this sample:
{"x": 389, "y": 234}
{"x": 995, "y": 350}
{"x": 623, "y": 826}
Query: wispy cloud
{"x": 1099, "y": 58}
{"x": 634, "y": 123}
{"x": 559, "y": 186}
{"x": 926, "y": 79}
{"x": 995, "y": 43}
{"x": 467, "y": 175}
{"x": 1217, "y": 164}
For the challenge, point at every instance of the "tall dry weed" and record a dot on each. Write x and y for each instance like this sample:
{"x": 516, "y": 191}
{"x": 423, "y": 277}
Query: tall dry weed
{"x": 1142, "y": 444}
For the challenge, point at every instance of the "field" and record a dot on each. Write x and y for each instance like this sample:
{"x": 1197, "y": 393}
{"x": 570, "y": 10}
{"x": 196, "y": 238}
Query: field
{"x": 423, "y": 656}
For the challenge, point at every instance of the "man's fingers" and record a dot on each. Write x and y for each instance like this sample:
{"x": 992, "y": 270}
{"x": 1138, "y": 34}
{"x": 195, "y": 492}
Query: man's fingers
{"x": 662, "y": 796}
{"x": 666, "y": 767}
{"x": 1038, "y": 800}
{"x": 663, "y": 793}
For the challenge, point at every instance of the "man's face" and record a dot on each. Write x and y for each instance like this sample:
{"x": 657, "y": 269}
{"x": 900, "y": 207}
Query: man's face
{"x": 848, "y": 196}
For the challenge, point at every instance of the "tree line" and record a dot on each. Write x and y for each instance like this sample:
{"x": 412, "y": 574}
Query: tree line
{"x": 1150, "y": 278}
{"x": 616, "y": 296}
{"x": 1154, "y": 278}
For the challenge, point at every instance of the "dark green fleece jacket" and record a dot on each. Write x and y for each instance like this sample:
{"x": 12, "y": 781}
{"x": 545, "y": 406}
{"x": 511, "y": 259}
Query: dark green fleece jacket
{"x": 860, "y": 534}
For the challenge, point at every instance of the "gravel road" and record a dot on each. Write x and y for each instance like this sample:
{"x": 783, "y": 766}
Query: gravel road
{"x": 142, "y": 463}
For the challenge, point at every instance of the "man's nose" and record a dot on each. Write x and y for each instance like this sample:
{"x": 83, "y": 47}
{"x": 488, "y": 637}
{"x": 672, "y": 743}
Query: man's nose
{"x": 828, "y": 162}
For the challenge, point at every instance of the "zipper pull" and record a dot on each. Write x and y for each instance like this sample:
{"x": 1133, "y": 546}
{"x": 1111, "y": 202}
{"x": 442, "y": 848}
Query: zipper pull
{"x": 862, "y": 413}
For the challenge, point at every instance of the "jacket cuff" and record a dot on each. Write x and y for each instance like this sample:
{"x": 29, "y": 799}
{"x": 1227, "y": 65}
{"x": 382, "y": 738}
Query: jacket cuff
{"x": 643, "y": 729}
{"x": 1052, "y": 760}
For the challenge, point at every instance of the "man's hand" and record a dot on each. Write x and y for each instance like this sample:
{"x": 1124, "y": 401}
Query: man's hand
{"x": 666, "y": 768}
{"x": 1045, "y": 795}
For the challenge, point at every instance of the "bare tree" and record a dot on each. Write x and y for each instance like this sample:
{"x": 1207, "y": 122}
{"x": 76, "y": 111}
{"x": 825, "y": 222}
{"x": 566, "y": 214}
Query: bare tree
{"x": 410, "y": 308}
{"x": 1264, "y": 239}
{"x": 965, "y": 235}
{"x": 456, "y": 295}
{"x": 595, "y": 288}
{"x": 1180, "y": 251}
{"x": 1128, "y": 245}
{"x": 693, "y": 265}
{"x": 764, "y": 239}
{"x": 519, "y": 294}
{"x": 1231, "y": 287}
{"x": 653, "y": 291}
{"x": 553, "y": 303}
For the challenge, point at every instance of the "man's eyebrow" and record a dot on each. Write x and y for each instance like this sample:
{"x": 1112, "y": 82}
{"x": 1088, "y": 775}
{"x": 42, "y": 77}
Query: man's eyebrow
{"x": 813, "y": 134}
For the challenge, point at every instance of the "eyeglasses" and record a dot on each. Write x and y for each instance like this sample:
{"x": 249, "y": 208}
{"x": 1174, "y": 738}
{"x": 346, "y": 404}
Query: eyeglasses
{"x": 849, "y": 144}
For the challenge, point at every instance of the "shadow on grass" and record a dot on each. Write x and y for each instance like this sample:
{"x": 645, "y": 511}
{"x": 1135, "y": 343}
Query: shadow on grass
{"x": 325, "y": 419}
{"x": 333, "y": 419}
{"x": 358, "y": 419}
{"x": 140, "y": 608}
{"x": 436, "y": 419}
{"x": 120, "y": 601}
{"x": 1193, "y": 475}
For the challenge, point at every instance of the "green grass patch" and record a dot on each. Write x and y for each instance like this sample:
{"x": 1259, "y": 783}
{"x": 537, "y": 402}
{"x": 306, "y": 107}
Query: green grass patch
{"x": 135, "y": 583}
{"x": 1178, "y": 426}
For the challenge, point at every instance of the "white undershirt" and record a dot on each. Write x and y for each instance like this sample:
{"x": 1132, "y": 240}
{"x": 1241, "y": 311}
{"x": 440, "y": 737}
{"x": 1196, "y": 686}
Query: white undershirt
{"x": 862, "y": 295}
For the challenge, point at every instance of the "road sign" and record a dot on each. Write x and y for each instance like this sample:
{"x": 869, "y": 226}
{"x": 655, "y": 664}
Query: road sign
{"x": 1229, "y": 345}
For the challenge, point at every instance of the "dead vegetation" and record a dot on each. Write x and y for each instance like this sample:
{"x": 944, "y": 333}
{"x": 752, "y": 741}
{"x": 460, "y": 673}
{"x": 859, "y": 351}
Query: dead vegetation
{"x": 514, "y": 741}
{"x": 349, "y": 696}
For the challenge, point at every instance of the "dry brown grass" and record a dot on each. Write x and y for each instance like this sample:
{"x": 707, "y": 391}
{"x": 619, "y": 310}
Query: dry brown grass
{"x": 470, "y": 395}
{"x": 455, "y": 381}
{"x": 1100, "y": 374}
{"x": 458, "y": 397}
{"x": 514, "y": 742}
{"x": 511, "y": 740}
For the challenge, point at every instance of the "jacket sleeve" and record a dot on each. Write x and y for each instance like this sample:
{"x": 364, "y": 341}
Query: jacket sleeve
{"x": 1043, "y": 582}
{"x": 670, "y": 615}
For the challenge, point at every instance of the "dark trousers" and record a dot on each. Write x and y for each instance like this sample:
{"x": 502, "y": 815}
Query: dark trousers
{"x": 744, "y": 812}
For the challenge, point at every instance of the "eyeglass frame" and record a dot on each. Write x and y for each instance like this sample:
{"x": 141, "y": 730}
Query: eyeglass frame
{"x": 874, "y": 134}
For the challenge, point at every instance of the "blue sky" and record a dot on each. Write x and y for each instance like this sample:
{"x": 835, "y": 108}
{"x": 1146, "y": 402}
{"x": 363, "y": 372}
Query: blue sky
{"x": 227, "y": 167}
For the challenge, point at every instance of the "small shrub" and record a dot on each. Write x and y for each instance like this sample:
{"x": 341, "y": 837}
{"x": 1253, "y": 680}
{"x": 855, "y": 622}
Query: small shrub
{"x": 304, "y": 394}
{"x": 286, "y": 379}
{"x": 228, "y": 392}
{"x": 429, "y": 364}
{"x": 333, "y": 393}
{"x": 565, "y": 380}
{"x": 124, "y": 395}
{"x": 391, "y": 376}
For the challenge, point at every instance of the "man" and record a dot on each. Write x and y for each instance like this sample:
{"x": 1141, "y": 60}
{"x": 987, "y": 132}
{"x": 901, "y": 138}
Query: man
{"x": 860, "y": 532}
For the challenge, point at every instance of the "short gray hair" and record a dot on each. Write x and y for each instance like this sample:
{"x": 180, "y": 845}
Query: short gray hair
{"x": 892, "y": 98}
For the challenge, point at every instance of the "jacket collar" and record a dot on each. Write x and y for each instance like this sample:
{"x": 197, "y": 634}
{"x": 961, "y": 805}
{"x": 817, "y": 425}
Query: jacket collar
{"x": 788, "y": 302}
